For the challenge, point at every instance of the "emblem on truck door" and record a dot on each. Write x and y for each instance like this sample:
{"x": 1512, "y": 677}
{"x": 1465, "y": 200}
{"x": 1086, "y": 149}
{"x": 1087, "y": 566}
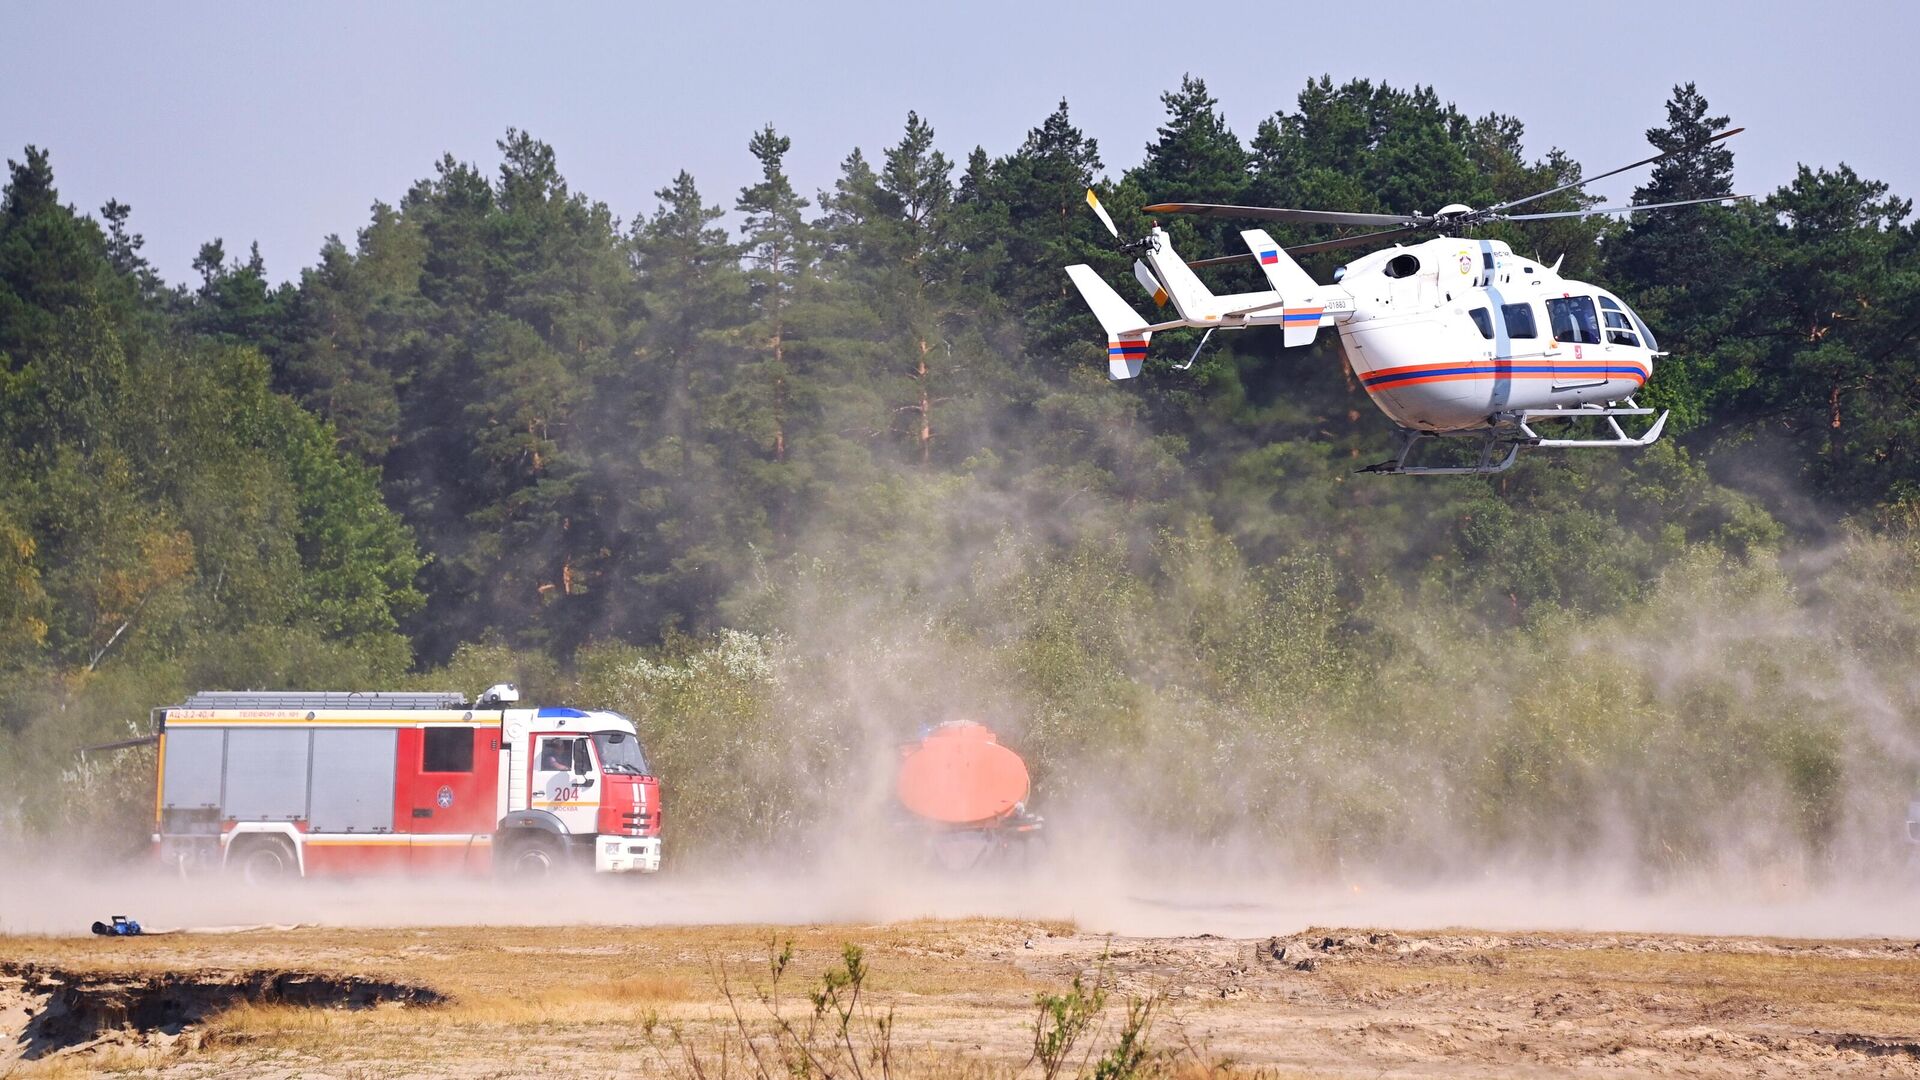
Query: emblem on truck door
{"x": 444, "y": 797}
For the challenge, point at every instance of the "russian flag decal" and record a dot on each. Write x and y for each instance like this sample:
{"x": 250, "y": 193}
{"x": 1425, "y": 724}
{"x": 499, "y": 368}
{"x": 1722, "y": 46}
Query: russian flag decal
{"x": 1268, "y": 258}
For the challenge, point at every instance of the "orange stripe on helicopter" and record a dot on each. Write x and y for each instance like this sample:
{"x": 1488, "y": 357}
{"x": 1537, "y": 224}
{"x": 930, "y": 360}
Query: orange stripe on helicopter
{"x": 1404, "y": 369}
{"x": 1631, "y": 375}
{"x": 1414, "y": 374}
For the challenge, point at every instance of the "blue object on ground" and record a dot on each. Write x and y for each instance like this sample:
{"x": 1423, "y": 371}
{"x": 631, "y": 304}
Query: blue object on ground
{"x": 121, "y": 926}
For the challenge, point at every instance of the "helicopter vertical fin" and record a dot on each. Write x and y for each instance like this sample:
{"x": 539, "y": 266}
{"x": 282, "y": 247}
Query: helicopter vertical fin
{"x": 1126, "y": 330}
{"x": 1298, "y": 291}
{"x": 1190, "y": 295}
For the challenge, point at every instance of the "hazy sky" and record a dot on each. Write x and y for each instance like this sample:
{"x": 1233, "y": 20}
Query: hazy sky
{"x": 281, "y": 124}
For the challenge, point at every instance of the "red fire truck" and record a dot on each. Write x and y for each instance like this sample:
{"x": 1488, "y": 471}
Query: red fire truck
{"x": 290, "y": 784}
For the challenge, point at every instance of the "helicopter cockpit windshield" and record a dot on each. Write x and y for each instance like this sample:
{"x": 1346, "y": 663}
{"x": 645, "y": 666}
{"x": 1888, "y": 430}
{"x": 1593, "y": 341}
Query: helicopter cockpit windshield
{"x": 1577, "y": 321}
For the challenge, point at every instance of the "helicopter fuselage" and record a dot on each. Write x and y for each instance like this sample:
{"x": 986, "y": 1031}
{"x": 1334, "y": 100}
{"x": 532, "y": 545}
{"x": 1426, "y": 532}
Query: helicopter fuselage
{"x": 1446, "y": 334}
{"x": 1452, "y": 338}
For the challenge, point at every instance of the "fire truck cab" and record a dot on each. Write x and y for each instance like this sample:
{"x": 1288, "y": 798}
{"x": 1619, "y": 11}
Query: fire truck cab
{"x": 295, "y": 784}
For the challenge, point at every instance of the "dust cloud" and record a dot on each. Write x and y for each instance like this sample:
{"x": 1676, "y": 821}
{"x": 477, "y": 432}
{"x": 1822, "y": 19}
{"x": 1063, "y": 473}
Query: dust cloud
{"x": 1217, "y": 749}
{"x": 64, "y": 900}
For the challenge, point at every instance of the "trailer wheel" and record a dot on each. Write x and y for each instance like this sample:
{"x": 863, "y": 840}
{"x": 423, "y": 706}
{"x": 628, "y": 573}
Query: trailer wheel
{"x": 263, "y": 860}
{"x": 533, "y": 856}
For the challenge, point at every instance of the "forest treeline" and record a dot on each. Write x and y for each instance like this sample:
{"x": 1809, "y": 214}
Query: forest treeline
{"x": 789, "y": 473}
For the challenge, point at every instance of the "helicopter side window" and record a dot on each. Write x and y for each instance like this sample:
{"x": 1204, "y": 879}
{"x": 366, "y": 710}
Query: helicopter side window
{"x": 1634, "y": 320}
{"x": 1574, "y": 320}
{"x": 1619, "y": 327}
{"x": 1484, "y": 320}
{"x": 1519, "y": 319}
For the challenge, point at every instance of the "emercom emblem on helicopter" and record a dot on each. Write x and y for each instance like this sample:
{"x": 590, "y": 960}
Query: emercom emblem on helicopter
{"x": 1450, "y": 337}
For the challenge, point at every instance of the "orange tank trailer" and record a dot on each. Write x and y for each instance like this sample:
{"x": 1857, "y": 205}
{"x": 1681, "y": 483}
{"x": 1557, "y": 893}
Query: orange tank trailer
{"x": 969, "y": 791}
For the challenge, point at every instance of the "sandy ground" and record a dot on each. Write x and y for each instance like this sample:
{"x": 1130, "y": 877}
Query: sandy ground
{"x": 675, "y": 975}
{"x": 625, "y": 1000}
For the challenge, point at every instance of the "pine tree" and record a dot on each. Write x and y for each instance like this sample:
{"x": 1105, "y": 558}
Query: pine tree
{"x": 917, "y": 189}
{"x": 779, "y": 252}
{"x": 1027, "y": 218}
{"x": 1832, "y": 354}
{"x": 1196, "y": 158}
{"x": 690, "y": 525}
{"x": 1681, "y": 266}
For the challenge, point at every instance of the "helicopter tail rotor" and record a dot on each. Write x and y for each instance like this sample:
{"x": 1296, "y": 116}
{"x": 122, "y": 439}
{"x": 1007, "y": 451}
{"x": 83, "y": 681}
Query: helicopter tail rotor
{"x": 1141, "y": 271}
{"x": 1101, "y": 213}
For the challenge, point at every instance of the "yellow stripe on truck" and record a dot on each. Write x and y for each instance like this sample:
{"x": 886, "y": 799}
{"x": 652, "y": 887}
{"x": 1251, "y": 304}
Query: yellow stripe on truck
{"x": 322, "y": 717}
{"x": 397, "y": 840}
{"x": 159, "y": 778}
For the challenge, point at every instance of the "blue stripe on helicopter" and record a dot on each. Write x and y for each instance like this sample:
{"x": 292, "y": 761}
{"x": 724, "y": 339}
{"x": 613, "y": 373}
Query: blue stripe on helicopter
{"x": 1491, "y": 370}
{"x": 1301, "y": 317}
{"x": 1129, "y": 350}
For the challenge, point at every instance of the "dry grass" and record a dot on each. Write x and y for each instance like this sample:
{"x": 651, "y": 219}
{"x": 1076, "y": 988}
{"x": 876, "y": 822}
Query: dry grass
{"x": 653, "y": 1001}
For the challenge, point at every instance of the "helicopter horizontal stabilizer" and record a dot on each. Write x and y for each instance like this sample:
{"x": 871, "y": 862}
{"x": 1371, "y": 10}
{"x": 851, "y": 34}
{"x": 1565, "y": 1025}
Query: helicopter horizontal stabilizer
{"x": 1127, "y": 332}
{"x": 1300, "y": 311}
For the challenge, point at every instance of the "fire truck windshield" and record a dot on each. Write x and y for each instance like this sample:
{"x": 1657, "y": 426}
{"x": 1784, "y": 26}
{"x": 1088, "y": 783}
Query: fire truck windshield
{"x": 620, "y": 753}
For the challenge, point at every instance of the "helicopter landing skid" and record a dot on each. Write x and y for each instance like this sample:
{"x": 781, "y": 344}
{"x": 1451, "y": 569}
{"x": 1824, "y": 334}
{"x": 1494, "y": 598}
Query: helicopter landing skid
{"x": 1514, "y": 431}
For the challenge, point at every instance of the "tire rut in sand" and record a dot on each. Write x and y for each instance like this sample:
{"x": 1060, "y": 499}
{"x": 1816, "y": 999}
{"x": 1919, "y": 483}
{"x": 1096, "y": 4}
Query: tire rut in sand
{"x": 47, "y": 1011}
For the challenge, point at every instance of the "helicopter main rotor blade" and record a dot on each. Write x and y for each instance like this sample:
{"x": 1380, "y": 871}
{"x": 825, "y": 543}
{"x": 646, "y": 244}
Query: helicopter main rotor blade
{"x": 1352, "y": 241}
{"x": 1316, "y": 246}
{"x": 1702, "y": 145}
{"x": 1101, "y": 212}
{"x": 1220, "y": 260}
{"x": 1637, "y": 207}
{"x": 1280, "y": 213}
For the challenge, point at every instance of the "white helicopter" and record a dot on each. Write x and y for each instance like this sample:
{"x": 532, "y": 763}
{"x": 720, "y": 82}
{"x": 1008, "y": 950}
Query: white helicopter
{"x": 1452, "y": 338}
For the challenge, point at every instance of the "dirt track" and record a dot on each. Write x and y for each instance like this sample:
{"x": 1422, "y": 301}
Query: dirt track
{"x": 598, "y": 1001}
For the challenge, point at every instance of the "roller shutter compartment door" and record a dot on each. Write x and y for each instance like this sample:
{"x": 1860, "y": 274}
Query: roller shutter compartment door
{"x": 352, "y": 780}
{"x": 192, "y": 777}
{"x": 267, "y": 774}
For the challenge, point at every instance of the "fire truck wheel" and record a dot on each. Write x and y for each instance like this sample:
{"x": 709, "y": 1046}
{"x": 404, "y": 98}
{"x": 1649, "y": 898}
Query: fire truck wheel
{"x": 534, "y": 855}
{"x": 263, "y": 859}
